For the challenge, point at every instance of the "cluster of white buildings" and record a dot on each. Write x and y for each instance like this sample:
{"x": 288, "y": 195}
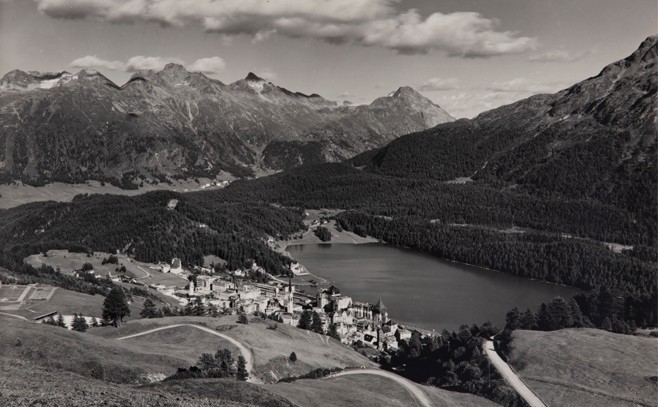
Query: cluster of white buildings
{"x": 240, "y": 297}
{"x": 358, "y": 323}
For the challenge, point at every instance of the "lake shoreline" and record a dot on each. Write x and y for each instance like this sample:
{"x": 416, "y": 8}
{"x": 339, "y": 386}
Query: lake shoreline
{"x": 406, "y": 276}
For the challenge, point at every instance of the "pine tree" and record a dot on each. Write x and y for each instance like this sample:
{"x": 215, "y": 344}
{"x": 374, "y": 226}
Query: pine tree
{"x": 94, "y": 322}
{"x": 513, "y": 319}
{"x": 559, "y": 314}
{"x": 528, "y": 320}
{"x": 543, "y": 323}
{"x": 60, "y": 321}
{"x": 115, "y": 306}
{"x": 242, "y": 319}
{"x": 293, "y": 357}
{"x": 333, "y": 332}
{"x": 316, "y": 324}
{"x": 305, "y": 320}
{"x": 149, "y": 311}
{"x": 198, "y": 309}
{"x": 242, "y": 373}
{"x": 80, "y": 323}
{"x": 578, "y": 321}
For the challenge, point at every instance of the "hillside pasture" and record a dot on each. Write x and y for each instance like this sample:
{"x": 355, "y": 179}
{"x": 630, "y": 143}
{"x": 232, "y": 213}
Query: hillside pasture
{"x": 52, "y": 347}
{"x": 579, "y": 367}
{"x": 42, "y": 300}
{"x": 184, "y": 342}
{"x": 367, "y": 391}
{"x": 270, "y": 348}
{"x": 69, "y": 262}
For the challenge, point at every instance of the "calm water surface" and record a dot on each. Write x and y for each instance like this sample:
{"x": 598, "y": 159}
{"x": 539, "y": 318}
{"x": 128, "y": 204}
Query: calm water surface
{"x": 423, "y": 290}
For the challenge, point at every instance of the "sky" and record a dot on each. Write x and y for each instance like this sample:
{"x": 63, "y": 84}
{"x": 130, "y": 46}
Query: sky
{"x": 466, "y": 56}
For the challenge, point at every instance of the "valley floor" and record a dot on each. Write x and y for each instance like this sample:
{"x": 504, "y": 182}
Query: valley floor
{"x": 12, "y": 195}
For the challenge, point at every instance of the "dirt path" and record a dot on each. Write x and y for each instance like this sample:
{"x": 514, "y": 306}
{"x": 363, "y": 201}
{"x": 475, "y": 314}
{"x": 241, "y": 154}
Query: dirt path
{"x": 246, "y": 353}
{"x": 15, "y": 316}
{"x": 413, "y": 389}
{"x": 511, "y": 377}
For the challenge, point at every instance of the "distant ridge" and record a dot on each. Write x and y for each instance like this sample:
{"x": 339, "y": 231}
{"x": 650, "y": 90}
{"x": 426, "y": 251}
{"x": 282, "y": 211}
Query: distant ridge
{"x": 179, "y": 124}
{"x": 595, "y": 139}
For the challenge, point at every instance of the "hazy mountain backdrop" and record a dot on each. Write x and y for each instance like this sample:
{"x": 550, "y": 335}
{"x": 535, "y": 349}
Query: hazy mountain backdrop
{"x": 71, "y": 128}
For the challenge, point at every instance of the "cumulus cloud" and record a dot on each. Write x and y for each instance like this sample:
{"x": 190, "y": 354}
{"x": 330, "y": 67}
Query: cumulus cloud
{"x": 438, "y": 84}
{"x": 366, "y": 22}
{"x": 524, "y": 85}
{"x": 210, "y": 65}
{"x": 91, "y": 61}
{"x": 142, "y": 63}
{"x": 558, "y": 56}
{"x": 469, "y": 101}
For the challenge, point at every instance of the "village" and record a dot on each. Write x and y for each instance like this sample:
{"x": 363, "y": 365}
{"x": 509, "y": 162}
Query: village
{"x": 353, "y": 323}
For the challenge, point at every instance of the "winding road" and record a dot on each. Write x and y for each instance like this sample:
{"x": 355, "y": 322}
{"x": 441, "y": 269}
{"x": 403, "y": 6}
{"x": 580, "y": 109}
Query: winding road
{"x": 512, "y": 378}
{"x": 244, "y": 351}
{"x": 411, "y": 387}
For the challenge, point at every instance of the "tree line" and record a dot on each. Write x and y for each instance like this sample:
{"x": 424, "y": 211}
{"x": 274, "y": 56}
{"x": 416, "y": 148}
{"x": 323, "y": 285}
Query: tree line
{"x": 220, "y": 364}
{"x": 453, "y": 361}
{"x": 547, "y": 257}
{"x": 143, "y": 227}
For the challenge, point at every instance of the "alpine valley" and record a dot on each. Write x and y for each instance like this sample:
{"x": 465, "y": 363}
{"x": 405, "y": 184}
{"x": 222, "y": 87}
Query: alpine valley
{"x": 558, "y": 188}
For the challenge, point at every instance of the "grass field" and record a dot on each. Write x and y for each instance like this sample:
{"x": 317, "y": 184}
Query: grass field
{"x": 47, "y": 365}
{"x": 363, "y": 391}
{"x": 10, "y": 293}
{"x": 367, "y": 391}
{"x": 67, "y": 302}
{"x": 24, "y": 384}
{"x": 185, "y": 343}
{"x": 271, "y": 348}
{"x": 587, "y": 367}
{"x": 68, "y": 262}
{"x": 57, "y": 348}
{"x": 15, "y": 195}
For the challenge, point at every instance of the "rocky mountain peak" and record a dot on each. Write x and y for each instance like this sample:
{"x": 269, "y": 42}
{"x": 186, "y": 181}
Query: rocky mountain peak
{"x": 20, "y": 81}
{"x": 202, "y": 126}
{"x": 253, "y": 77}
{"x": 646, "y": 53}
{"x": 406, "y": 92}
{"x": 16, "y": 76}
{"x": 173, "y": 67}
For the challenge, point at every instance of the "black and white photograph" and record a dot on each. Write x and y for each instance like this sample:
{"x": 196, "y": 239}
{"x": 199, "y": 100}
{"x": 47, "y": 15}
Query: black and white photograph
{"x": 329, "y": 203}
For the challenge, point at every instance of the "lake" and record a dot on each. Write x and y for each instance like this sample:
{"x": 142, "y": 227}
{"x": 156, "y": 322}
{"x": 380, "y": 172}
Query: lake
{"x": 422, "y": 290}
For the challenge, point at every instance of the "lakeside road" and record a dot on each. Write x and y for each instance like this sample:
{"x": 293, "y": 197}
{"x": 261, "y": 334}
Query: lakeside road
{"x": 413, "y": 389}
{"x": 246, "y": 353}
{"x": 511, "y": 377}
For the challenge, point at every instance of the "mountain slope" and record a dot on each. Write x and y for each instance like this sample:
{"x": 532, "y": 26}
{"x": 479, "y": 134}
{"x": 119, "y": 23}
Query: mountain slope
{"x": 596, "y": 139}
{"x": 64, "y": 127}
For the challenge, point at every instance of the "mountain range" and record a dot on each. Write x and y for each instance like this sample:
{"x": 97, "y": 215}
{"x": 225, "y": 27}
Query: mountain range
{"x": 595, "y": 139}
{"x": 174, "y": 123}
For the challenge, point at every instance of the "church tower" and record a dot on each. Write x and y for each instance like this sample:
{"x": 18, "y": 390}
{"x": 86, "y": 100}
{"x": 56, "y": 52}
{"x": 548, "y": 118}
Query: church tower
{"x": 381, "y": 310}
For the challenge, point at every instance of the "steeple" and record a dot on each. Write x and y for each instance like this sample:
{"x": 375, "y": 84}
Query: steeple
{"x": 381, "y": 307}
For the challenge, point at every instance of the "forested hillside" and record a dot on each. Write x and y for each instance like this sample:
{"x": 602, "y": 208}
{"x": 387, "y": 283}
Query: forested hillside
{"x": 557, "y": 187}
{"x": 147, "y": 228}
